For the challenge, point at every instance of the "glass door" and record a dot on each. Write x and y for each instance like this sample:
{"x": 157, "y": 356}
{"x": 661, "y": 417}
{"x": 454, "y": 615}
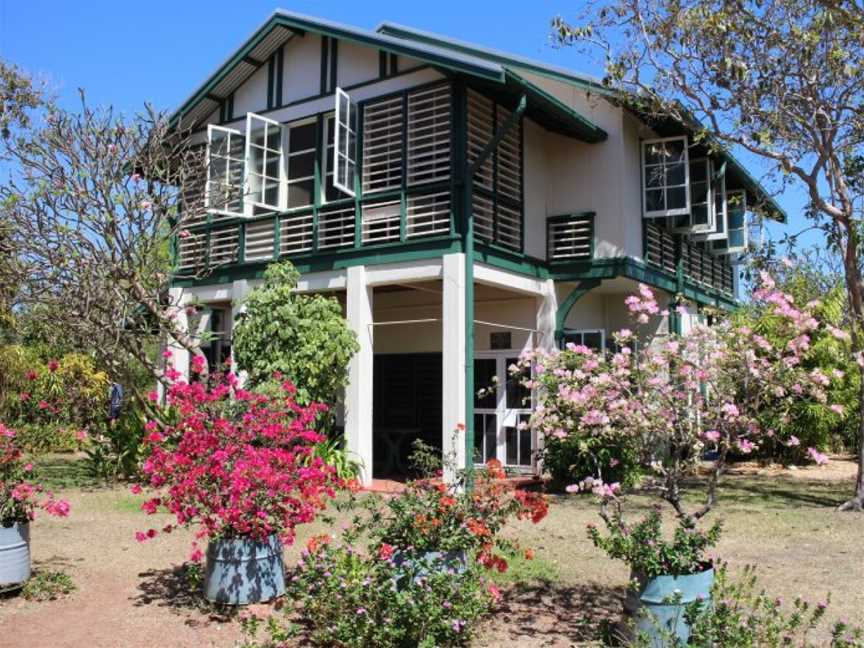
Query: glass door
{"x": 502, "y": 407}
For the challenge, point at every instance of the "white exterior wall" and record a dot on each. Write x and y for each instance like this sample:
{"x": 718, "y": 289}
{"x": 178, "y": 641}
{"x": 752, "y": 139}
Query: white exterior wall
{"x": 535, "y": 183}
{"x": 301, "y": 68}
{"x": 355, "y": 64}
{"x": 252, "y": 95}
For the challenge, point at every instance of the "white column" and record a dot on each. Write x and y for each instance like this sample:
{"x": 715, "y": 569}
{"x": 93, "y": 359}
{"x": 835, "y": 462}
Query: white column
{"x": 180, "y": 356}
{"x": 547, "y": 309}
{"x": 453, "y": 358}
{"x": 239, "y": 292}
{"x": 358, "y": 394}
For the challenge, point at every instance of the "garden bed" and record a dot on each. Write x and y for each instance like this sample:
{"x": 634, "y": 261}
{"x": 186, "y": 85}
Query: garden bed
{"x": 137, "y": 595}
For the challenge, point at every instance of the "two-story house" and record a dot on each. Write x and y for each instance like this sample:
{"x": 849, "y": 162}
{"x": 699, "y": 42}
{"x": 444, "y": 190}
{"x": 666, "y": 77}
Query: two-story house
{"x": 462, "y": 204}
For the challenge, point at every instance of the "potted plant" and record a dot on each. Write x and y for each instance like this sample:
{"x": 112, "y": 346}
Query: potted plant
{"x": 20, "y": 496}
{"x": 241, "y": 467}
{"x": 684, "y": 404}
{"x": 433, "y": 526}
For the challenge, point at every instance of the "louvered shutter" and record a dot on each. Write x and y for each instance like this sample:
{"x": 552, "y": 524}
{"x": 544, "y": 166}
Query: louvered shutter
{"x": 429, "y": 135}
{"x": 382, "y": 145}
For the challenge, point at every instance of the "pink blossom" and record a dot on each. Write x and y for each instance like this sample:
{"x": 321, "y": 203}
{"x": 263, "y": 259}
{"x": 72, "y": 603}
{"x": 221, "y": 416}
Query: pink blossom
{"x": 81, "y": 435}
{"x": 793, "y": 441}
{"x": 712, "y": 435}
{"x": 817, "y": 456}
{"x": 167, "y": 354}
{"x": 153, "y": 396}
{"x": 837, "y": 409}
{"x": 53, "y": 365}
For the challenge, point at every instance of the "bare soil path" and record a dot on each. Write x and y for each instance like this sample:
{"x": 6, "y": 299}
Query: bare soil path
{"x": 132, "y": 595}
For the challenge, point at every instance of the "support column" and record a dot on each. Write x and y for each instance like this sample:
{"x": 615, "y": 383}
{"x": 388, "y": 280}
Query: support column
{"x": 358, "y": 394}
{"x": 454, "y": 363}
{"x": 239, "y": 292}
{"x": 180, "y": 356}
{"x": 547, "y": 309}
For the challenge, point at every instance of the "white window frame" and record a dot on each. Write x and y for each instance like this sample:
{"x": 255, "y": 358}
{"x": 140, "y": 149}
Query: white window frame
{"x": 250, "y": 202}
{"x": 228, "y": 132}
{"x": 349, "y": 158}
{"x": 718, "y": 190}
{"x": 665, "y": 213}
{"x": 745, "y": 228}
{"x": 505, "y": 416}
{"x": 711, "y": 225}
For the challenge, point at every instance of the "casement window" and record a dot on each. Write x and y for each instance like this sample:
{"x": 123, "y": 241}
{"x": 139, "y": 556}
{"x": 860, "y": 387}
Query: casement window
{"x": 264, "y": 164}
{"x": 720, "y": 216}
{"x": 665, "y": 177}
{"x": 592, "y": 338}
{"x": 736, "y": 238}
{"x": 497, "y": 198}
{"x": 224, "y": 190}
{"x": 345, "y": 143}
{"x": 701, "y": 215}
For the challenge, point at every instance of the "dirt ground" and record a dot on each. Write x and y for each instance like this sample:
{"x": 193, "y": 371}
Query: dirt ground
{"x": 136, "y": 596}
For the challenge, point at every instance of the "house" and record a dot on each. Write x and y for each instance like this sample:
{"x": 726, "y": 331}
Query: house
{"x": 463, "y": 204}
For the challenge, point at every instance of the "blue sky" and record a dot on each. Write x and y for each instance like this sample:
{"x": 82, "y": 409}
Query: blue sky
{"x": 124, "y": 53}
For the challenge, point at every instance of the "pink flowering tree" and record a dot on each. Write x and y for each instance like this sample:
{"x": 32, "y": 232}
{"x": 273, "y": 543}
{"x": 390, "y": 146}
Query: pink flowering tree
{"x": 235, "y": 463}
{"x": 679, "y": 399}
{"x": 20, "y": 492}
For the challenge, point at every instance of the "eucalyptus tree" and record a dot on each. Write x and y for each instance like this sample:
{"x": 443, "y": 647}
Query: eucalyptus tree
{"x": 782, "y": 80}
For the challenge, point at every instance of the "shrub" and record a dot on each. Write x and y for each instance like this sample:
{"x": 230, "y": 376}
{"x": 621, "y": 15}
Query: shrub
{"x": 39, "y": 438}
{"x": 352, "y": 600}
{"x": 20, "y": 491}
{"x": 571, "y": 458}
{"x": 304, "y": 338}
{"x": 743, "y": 615}
{"x": 235, "y": 463}
{"x": 114, "y": 452}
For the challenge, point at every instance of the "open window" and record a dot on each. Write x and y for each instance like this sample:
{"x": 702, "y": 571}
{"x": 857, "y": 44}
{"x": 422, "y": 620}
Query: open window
{"x": 345, "y": 143}
{"x": 594, "y": 339}
{"x": 665, "y": 177}
{"x": 225, "y": 171}
{"x": 265, "y": 174}
{"x": 736, "y": 239}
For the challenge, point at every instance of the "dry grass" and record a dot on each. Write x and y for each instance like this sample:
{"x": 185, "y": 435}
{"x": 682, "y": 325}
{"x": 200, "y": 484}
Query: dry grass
{"x": 135, "y": 595}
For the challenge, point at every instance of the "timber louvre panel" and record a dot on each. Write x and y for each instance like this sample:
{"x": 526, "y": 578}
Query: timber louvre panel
{"x": 258, "y": 241}
{"x": 570, "y": 237}
{"x": 498, "y": 182}
{"x": 224, "y": 245}
{"x": 296, "y": 233}
{"x": 382, "y": 145}
{"x": 429, "y": 123}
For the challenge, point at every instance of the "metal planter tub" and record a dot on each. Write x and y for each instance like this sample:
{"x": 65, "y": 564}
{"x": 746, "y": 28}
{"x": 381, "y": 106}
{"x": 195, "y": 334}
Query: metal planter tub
{"x": 659, "y": 605}
{"x": 14, "y": 555}
{"x": 242, "y": 570}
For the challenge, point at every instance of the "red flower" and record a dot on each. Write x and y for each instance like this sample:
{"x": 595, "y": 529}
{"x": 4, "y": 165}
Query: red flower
{"x": 53, "y": 365}
{"x": 24, "y": 397}
{"x": 529, "y": 554}
{"x": 316, "y": 542}
{"x": 385, "y": 551}
{"x": 43, "y": 405}
{"x": 32, "y": 375}
{"x": 494, "y": 592}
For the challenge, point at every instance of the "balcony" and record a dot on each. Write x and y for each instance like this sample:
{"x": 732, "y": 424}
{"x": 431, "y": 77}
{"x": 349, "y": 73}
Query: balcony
{"x": 665, "y": 250}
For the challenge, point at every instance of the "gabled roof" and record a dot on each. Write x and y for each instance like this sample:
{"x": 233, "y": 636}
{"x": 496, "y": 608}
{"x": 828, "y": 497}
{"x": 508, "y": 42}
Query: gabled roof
{"x": 282, "y": 26}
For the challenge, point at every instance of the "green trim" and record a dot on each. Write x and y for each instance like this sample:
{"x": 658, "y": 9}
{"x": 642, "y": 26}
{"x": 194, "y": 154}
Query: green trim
{"x": 502, "y": 58}
{"x": 334, "y": 64}
{"x": 271, "y": 77}
{"x": 452, "y": 63}
{"x": 585, "y": 286}
{"x": 505, "y": 259}
{"x": 324, "y": 52}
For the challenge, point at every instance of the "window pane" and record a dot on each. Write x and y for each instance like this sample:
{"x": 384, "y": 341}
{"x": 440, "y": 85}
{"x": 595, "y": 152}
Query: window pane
{"x": 511, "y": 439}
{"x": 272, "y": 166}
{"x": 654, "y": 153}
{"x": 478, "y": 438}
{"x": 301, "y": 166}
{"x": 518, "y": 396}
{"x": 676, "y": 198}
{"x": 700, "y": 214}
{"x": 524, "y": 447}
{"x": 271, "y": 192}
{"x": 675, "y": 175}
{"x": 300, "y": 193}
{"x": 274, "y": 137}
{"x": 490, "y": 435}
{"x": 484, "y": 374}
{"x": 674, "y": 150}
{"x": 593, "y": 340}
{"x": 655, "y": 200}
{"x": 302, "y": 138}
{"x": 655, "y": 176}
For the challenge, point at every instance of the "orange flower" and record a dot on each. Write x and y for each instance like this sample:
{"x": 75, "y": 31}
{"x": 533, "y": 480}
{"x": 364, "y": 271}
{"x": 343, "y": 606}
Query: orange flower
{"x": 529, "y": 554}
{"x": 478, "y": 528}
{"x": 447, "y": 502}
{"x": 495, "y": 469}
{"x": 316, "y": 542}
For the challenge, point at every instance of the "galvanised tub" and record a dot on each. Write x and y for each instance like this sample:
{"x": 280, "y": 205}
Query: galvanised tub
{"x": 14, "y": 555}
{"x": 658, "y": 607}
{"x": 242, "y": 570}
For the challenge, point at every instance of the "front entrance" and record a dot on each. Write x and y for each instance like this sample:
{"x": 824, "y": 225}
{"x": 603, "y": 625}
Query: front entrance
{"x": 502, "y": 408}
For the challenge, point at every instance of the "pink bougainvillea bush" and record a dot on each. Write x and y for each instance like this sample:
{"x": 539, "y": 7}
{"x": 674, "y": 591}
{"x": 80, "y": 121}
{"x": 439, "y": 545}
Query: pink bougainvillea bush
{"x": 678, "y": 401}
{"x": 20, "y": 492}
{"x": 235, "y": 463}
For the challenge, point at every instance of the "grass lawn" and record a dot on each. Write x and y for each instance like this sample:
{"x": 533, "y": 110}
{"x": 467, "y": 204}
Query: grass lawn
{"x": 132, "y": 595}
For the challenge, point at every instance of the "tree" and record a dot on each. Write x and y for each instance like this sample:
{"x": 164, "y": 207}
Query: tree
{"x": 92, "y": 204}
{"x": 780, "y": 79}
{"x": 305, "y": 338}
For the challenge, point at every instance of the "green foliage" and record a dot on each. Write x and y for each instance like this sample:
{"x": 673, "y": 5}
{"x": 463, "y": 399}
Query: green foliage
{"x": 48, "y": 586}
{"x": 569, "y": 459}
{"x": 41, "y": 438}
{"x": 115, "y": 452}
{"x": 643, "y": 547}
{"x": 275, "y": 633}
{"x": 742, "y": 615}
{"x": 304, "y": 338}
{"x": 352, "y": 600}
{"x": 334, "y": 453}
{"x": 42, "y": 391}
{"x": 810, "y": 423}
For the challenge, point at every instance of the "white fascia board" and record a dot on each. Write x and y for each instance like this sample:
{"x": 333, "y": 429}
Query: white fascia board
{"x": 408, "y": 272}
{"x": 508, "y": 280}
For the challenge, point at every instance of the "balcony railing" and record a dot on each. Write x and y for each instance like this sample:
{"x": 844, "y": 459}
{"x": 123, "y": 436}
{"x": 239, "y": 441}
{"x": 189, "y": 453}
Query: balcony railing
{"x": 570, "y": 237}
{"x": 329, "y": 228}
{"x": 664, "y": 250}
